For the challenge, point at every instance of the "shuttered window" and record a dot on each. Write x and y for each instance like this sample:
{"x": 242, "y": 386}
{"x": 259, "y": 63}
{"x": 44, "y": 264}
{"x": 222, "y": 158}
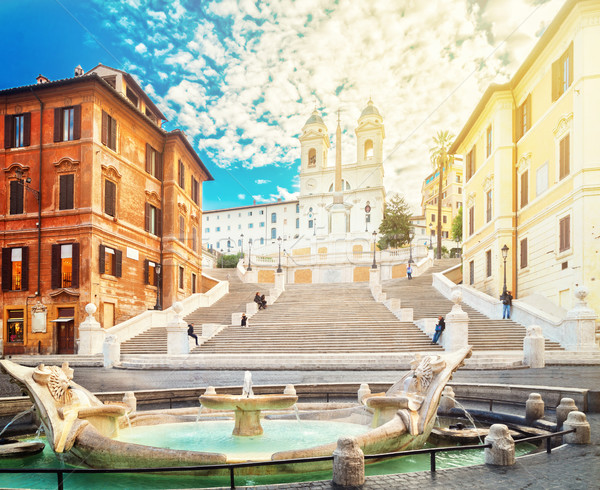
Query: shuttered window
{"x": 65, "y": 266}
{"x": 565, "y": 157}
{"x": 488, "y": 207}
{"x": 562, "y": 73}
{"x": 109, "y": 131}
{"x": 488, "y": 141}
{"x": 17, "y": 130}
{"x": 470, "y": 163}
{"x": 67, "y": 123}
{"x": 150, "y": 273}
{"x": 524, "y": 188}
{"x": 153, "y": 221}
{"x": 154, "y": 165}
{"x": 15, "y": 269}
{"x": 471, "y": 220}
{"x": 564, "y": 226}
{"x": 110, "y": 198}
{"x": 110, "y": 261}
{"x": 16, "y": 197}
{"x": 524, "y": 117}
{"x": 471, "y": 272}
{"x": 181, "y": 175}
{"x": 66, "y": 191}
{"x": 523, "y": 261}
{"x": 195, "y": 191}
{"x": 488, "y": 263}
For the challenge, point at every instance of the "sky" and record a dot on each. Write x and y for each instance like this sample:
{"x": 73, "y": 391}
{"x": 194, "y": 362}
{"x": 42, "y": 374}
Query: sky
{"x": 241, "y": 77}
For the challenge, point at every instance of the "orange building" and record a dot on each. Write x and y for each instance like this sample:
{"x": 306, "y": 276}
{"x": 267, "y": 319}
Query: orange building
{"x": 98, "y": 204}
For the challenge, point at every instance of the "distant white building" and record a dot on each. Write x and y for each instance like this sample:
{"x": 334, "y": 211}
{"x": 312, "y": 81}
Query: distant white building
{"x": 338, "y": 208}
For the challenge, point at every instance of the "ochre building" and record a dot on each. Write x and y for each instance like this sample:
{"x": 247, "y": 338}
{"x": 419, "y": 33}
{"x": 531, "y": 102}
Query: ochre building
{"x": 99, "y": 205}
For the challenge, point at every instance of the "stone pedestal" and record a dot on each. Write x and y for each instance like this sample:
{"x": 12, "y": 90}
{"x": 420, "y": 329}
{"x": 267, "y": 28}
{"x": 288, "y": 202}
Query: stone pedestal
{"x": 374, "y": 277}
{"x": 565, "y": 407}
{"x": 177, "y": 337}
{"x": 280, "y": 281}
{"x": 348, "y": 464}
{"x": 582, "y": 434}
{"x": 91, "y": 334}
{"x": 363, "y": 391}
{"x": 111, "y": 350}
{"x": 534, "y": 348}
{"x": 130, "y": 400}
{"x": 447, "y": 401}
{"x": 456, "y": 335}
{"x": 534, "y": 407}
{"x": 502, "y": 452}
{"x": 289, "y": 390}
{"x": 580, "y": 324}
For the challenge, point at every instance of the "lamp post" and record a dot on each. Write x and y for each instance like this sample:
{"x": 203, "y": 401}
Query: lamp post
{"x": 410, "y": 237}
{"x": 249, "y": 254}
{"x": 504, "y": 255}
{"x": 279, "y": 265}
{"x": 221, "y": 252}
{"x": 242, "y": 239}
{"x": 315, "y": 225}
{"x": 374, "y": 266}
{"x": 157, "y": 270}
{"x": 430, "y": 236}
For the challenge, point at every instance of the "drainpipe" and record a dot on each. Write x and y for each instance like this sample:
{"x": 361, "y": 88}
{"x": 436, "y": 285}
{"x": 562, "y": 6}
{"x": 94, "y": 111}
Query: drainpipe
{"x": 161, "y": 277}
{"x": 39, "y": 224}
{"x": 515, "y": 241}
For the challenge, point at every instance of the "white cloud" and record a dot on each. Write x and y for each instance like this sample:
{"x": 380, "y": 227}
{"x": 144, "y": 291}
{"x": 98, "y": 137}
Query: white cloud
{"x": 158, "y": 16}
{"x": 261, "y": 181}
{"x": 141, "y": 48}
{"x": 241, "y": 197}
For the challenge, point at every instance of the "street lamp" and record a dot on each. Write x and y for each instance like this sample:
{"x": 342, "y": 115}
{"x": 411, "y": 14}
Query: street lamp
{"x": 157, "y": 270}
{"x": 249, "y": 254}
{"x": 374, "y": 266}
{"x": 411, "y": 235}
{"x": 242, "y": 239}
{"x": 504, "y": 255}
{"x": 279, "y": 265}
{"x": 221, "y": 252}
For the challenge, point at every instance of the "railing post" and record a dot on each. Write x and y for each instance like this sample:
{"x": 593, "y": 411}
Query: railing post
{"x": 59, "y": 475}
{"x": 549, "y": 445}
{"x": 231, "y": 477}
{"x": 432, "y": 461}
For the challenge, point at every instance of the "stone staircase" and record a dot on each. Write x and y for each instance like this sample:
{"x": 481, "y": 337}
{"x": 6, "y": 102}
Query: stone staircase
{"x": 154, "y": 340}
{"x": 485, "y": 334}
{"x": 321, "y": 319}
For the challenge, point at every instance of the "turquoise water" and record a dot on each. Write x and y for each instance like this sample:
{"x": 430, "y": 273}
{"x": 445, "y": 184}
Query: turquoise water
{"x": 209, "y": 439}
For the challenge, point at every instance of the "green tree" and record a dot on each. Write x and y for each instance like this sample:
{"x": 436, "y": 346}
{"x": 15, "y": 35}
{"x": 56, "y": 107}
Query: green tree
{"x": 457, "y": 224}
{"x": 395, "y": 228}
{"x": 440, "y": 160}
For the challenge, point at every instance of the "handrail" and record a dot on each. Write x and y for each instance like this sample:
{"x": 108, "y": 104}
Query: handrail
{"x": 232, "y": 466}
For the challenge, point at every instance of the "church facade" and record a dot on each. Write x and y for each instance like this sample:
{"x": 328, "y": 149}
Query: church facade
{"x": 339, "y": 205}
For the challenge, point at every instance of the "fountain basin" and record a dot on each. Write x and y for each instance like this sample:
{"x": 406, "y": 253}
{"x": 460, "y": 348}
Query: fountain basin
{"x": 247, "y": 409}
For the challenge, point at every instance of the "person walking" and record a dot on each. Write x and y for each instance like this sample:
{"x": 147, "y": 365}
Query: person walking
{"x": 506, "y": 299}
{"x": 409, "y": 272}
{"x": 244, "y": 320}
{"x": 191, "y": 332}
{"x": 439, "y": 328}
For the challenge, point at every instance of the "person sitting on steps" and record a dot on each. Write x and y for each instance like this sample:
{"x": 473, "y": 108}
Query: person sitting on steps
{"x": 439, "y": 328}
{"x": 260, "y": 301}
{"x": 191, "y": 332}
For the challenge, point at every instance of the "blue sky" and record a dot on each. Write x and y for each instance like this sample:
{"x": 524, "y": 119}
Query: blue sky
{"x": 241, "y": 77}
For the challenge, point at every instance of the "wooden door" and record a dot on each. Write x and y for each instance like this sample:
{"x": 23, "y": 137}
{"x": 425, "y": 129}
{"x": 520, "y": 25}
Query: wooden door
{"x": 66, "y": 331}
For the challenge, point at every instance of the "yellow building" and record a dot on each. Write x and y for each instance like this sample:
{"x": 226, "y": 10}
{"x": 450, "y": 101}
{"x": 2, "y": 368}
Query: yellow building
{"x": 532, "y": 169}
{"x": 452, "y": 200}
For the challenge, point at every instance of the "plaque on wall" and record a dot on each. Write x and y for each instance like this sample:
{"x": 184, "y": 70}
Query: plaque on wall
{"x": 38, "y": 318}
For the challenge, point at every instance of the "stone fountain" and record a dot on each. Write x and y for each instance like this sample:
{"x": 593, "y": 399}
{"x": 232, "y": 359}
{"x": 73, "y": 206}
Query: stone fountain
{"x": 247, "y": 406}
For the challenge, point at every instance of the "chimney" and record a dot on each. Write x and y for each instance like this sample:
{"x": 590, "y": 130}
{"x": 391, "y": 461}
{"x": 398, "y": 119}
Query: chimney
{"x": 42, "y": 79}
{"x": 254, "y": 202}
{"x": 78, "y": 71}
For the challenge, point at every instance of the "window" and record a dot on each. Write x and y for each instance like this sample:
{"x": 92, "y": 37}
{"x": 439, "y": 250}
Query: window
{"x": 458, "y": 179}
{"x": 471, "y": 272}
{"x": 488, "y": 206}
{"x": 154, "y": 162}
{"x": 110, "y": 261}
{"x": 15, "y": 268}
{"x": 218, "y": 228}
{"x": 195, "y": 191}
{"x": 250, "y": 225}
{"x": 471, "y": 220}
{"x": 15, "y": 326}
{"x": 131, "y": 96}
{"x": 297, "y": 222}
{"x": 312, "y": 157}
{"x": 249, "y": 213}
{"x": 541, "y": 179}
{"x": 66, "y": 191}
{"x": 110, "y": 198}
{"x": 524, "y": 117}
{"x": 109, "y": 131}
{"x": 181, "y": 175}
{"x": 444, "y": 219}
{"x": 193, "y": 281}
{"x": 368, "y": 149}
{"x": 181, "y": 276}
{"x": 16, "y": 197}
{"x": 65, "y": 265}
{"x": 488, "y": 263}
{"x": 562, "y": 73}
{"x": 488, "y": 142}
{"x": 67, "y": 123}
{"x": 153, "y": 221}
{"x": 261, "y": 212}
{"x": 273, "y": 217}
{"x": 564, "y": 226}
{"x": 206, "y": 230}
{"x": 564, "y": 157}
{"x": 433, "y": 218}
{"x": 262, "y": 241}
{"x": 524, "y": 188}
{"x": 261, "y": 224}
{"x": 194, "y": 239}
{"x": 523, "y": 253}
{"x": 181, "y": 229}
{"x": 310, "y": 223}
{"x": 273, "y": 233}
{"x": 17, "y": 130}
{"x": 297, "y": 208}
{"x": 150, "y": 276}
{"x": 460, "y": 190}
{"x": 470, "y": 164}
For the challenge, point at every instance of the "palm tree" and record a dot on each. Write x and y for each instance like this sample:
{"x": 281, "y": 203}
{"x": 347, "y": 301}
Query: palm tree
{"x": 440, "y": 159}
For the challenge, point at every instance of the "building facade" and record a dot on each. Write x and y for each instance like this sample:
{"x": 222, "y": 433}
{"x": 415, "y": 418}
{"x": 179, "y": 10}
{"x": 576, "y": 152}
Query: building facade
{"x": 532, "y": 179}
{"x": 101, "y": 205}
{"x": 338, "y": 206}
